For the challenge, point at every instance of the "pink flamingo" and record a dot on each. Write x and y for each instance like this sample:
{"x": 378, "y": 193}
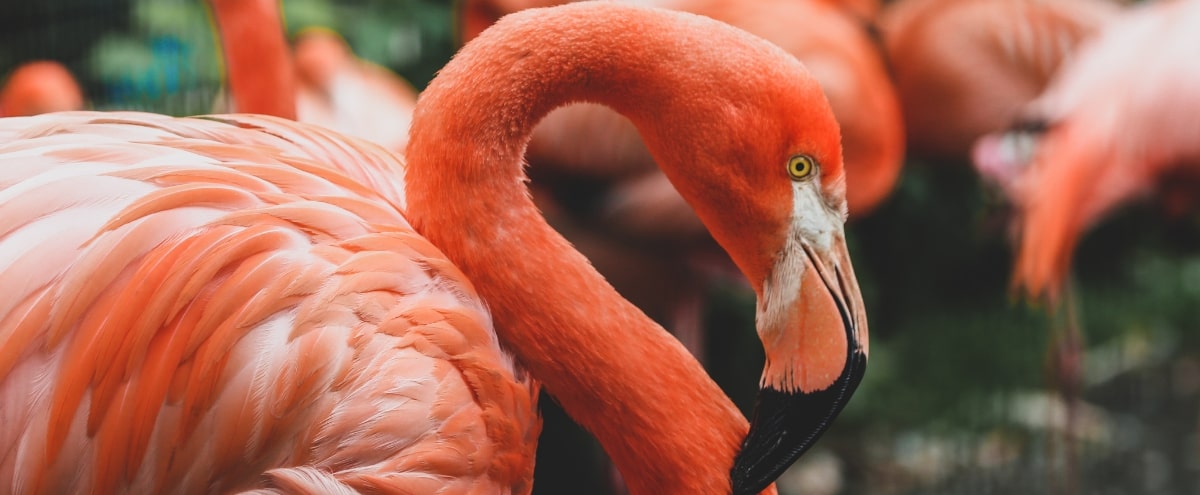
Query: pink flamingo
{"x": 230, "y": 304}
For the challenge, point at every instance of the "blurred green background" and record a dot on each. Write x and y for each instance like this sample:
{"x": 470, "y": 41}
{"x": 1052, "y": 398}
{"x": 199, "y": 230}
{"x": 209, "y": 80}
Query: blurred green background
{"x": 963, "y": 393}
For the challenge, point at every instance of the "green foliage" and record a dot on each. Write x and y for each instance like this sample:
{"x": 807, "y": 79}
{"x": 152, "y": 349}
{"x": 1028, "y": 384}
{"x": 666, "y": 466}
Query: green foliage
{"x": 166, "y": 58}
{"x": 412, "y": 37}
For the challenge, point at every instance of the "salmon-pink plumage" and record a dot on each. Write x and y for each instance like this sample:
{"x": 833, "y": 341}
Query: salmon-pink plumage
{"x": 196, "y": 302}
{"x": 243, "y": 302}
{"x": 867, "y": 11}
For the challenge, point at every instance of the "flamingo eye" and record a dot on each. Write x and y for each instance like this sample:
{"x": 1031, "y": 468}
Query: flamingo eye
{"x": 800, "y": 167}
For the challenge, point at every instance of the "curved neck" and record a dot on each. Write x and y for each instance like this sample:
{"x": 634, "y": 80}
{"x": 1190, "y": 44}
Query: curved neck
{"x": 257, "y": 60}
{"x": 665, "y": 423}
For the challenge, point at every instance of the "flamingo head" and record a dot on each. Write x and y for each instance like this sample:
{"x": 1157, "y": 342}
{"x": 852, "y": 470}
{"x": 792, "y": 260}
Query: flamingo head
{"x": 40, "y": 87}
{"x": 1001, "y": 158}
{"x": 812, "y": 323}
{"x": 1061, "y": 180}
{"x": 769, "y": 185}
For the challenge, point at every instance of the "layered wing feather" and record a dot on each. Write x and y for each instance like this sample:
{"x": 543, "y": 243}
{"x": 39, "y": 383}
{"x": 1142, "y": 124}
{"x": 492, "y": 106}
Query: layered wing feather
{"x": 236, "y": 303}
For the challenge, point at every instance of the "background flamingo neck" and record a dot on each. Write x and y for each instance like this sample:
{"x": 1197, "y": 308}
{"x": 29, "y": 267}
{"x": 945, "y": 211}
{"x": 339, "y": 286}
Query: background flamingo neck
{"x": 257, "y": 60}
{"x": 665, "y": 423}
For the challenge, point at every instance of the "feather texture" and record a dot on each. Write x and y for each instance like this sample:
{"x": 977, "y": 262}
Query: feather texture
{"x": 214, "y": 305}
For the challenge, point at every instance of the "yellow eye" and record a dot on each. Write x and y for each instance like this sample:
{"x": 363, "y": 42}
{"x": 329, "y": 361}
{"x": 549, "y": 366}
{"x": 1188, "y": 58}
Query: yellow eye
{"x": 801, "y": 166}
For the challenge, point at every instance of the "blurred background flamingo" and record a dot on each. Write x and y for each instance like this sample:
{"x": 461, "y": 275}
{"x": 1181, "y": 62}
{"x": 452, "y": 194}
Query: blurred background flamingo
{"x": 39, "y": 87}
{"x": 1116, "y": 124}
{"x": 340, "y": 91}
{"x": 964, "y": 68}
{"x": 958, "y": 400}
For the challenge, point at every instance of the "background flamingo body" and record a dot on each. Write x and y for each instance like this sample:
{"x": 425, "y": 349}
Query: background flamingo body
{"x": 1119, "y": 119}
{"x": 964, "y": 68}
{"x": 342, "y": 92}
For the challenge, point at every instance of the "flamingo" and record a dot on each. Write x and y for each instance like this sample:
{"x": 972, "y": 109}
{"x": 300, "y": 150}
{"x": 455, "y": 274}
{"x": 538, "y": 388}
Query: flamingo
{"x": 39, "y": 86}
{"x": 965, "y": 68}
{"x": 236, "y": 302}
{"x": 1118, "y": 120}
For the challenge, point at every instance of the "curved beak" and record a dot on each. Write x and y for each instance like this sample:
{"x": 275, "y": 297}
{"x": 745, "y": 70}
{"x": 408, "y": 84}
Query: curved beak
{"x": 814, "y": 330}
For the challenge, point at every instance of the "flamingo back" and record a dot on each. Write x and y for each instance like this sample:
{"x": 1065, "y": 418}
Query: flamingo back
{"x": 230, "y": 303}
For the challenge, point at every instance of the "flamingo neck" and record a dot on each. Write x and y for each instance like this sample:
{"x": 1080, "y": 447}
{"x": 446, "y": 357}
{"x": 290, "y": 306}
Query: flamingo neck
{"x": 258, "y": 62}
{"x": 664, "y": 422}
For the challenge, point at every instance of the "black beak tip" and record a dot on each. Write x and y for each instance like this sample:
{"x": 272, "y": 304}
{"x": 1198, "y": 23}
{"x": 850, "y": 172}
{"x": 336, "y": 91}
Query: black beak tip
{"x": 787, "y": 424}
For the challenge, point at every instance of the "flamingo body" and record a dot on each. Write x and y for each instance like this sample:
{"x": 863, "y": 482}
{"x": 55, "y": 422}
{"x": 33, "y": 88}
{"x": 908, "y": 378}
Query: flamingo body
{"x": 341, "y": 92}
{"x": 1119, "y": 120}
{"x": 966, "y": 68}
{"x": 212, "y": 305}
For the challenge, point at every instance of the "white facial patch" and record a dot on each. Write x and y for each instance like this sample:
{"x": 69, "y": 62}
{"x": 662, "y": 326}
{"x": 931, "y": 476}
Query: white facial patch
{"x": 813, "y": 220}
{"x": 814, "y": 223}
